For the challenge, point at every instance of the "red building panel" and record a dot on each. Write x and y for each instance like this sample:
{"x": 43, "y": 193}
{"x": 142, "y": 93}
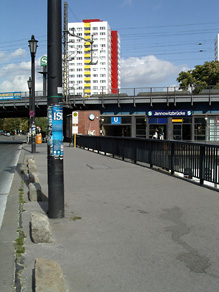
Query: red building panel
{"x": 114, "y": 61}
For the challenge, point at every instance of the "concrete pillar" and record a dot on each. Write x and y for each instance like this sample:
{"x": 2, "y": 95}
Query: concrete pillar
{"x": 133, "y": 127}
{"x": 169, "y": 134}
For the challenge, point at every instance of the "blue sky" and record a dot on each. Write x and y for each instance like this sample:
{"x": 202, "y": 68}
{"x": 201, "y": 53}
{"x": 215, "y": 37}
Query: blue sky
{"x": 158, "y": 38}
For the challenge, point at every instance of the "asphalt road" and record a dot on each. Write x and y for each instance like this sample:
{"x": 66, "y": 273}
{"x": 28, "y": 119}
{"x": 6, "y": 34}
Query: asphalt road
{"x": 9, "y": 155}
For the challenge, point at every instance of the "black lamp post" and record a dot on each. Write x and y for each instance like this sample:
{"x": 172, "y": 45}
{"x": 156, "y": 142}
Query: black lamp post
{"x": 33, "y": 47}
{"x": 29, "y": 83}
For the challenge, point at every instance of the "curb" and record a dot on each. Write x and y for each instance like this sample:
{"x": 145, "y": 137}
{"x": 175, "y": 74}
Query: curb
{"x": 47, "y": 274}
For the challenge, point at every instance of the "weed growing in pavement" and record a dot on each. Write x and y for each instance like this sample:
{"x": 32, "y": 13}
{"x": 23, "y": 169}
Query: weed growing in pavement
{"x": 74, "y": 218}
{"x": 19, "y": 242}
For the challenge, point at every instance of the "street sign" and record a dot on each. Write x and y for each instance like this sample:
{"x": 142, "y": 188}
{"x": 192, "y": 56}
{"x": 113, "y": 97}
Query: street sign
{"x": 74, "y": 118}
{"x": 31, "y": 114}
{"x": 43, "y": 61}
{"x": 75, "y": 130}
{"x": 115, "y": 120}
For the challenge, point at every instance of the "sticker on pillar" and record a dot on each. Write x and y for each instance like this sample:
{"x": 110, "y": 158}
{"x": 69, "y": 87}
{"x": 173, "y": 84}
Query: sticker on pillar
{"x": 115, "y": 120}
{"x": 49, "y": 127}
{"x": 57, "y": 130}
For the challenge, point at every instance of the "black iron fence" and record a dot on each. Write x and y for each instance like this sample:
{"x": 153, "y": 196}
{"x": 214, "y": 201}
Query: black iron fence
{"x": 191, "y": 159}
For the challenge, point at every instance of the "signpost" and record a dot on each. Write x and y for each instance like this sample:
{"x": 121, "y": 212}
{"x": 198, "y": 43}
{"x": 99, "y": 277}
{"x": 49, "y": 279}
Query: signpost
{"x": 31, "y": 114}
{"x": 43, "y": 61}
{"x": 74, "y": 126}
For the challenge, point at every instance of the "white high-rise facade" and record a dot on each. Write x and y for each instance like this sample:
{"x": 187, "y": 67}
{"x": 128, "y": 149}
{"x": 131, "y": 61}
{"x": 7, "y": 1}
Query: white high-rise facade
{"x": 216, "y": 48}
{"x": 94, "y": 56}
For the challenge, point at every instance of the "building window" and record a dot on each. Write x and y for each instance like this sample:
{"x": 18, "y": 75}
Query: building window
{"x": 199, "y": 130}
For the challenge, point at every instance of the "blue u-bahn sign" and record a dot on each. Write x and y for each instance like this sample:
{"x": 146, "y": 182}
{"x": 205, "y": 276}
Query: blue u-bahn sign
{"x": 10, "y": 95}
{"x": 115, "y": 120}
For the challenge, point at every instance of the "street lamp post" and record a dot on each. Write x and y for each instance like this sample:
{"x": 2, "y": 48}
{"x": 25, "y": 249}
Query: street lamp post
{"x": 29, "y": 83}
{"x": 33, "y": 48}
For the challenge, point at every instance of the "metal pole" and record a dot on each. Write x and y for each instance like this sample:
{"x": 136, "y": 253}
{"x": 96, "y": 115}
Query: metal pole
{"x": 55, "y": 112}
{"x": 44, "y": 80}
{"x": 33, "y": 130}
{"x": 30, "y": 108}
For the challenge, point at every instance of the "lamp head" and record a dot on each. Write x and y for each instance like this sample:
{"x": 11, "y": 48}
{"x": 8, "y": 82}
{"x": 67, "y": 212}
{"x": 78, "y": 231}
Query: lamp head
{"x": 29, "y": 83}
{"x": 33, "y": 45}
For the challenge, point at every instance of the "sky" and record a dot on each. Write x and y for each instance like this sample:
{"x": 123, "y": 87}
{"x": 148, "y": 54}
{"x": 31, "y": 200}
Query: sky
{"x": 159, "y": 38}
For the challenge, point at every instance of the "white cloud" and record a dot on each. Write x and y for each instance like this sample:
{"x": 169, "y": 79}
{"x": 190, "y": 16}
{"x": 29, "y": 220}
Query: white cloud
{"x": 18, "y": 53}
{"x": 2, "y": 57}
{"x": 126, "y": 3}
{"x": 146, "y": 71}
{"x": 13, "y": 77}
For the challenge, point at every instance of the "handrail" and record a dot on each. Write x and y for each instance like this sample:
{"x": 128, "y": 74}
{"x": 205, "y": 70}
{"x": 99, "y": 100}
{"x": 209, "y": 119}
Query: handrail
{"x": 197, "y": 160}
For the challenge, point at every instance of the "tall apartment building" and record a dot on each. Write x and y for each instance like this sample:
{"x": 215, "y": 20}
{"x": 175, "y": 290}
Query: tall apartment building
{"x": 216, "y": 48}
{"x": 94, "y": 58}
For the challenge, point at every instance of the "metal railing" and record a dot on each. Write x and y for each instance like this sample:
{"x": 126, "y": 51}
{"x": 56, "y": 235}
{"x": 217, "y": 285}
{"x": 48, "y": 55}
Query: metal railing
{"x": 138, "y": 91}
{"x": 196, "y": 160}
{"x": 148, "y": 95}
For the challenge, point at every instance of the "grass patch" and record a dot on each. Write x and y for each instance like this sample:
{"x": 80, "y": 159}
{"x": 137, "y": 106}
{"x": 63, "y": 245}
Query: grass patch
{"x": 19, "y": 243}
{"x": 74, "y": 218}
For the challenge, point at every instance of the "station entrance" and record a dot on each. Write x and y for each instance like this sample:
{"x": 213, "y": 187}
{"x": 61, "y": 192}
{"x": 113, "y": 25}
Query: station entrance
{"x": 117, "y": 130}
{"x": 182, "y": 132}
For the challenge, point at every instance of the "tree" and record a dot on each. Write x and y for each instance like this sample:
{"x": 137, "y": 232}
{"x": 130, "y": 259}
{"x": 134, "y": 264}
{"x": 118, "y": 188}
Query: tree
{"x": 21, "y": 124}
{"x": 203, "y": 76}
{"x": 42, "y": 123}
{"x": 16, "y": 125}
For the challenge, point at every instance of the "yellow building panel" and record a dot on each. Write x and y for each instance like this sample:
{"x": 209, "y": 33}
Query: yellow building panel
{"x": 87, "y": 55}
{"x": 87, "y": 91}
{"x": 87, "y": 61}
{"x": 87, "y": 73}
{"x": 87, "y": 31}
{"x": 87, "y": 37}
{"x": 87, "y": 24}
{"x": 87, "y": 79}
{"x": 87, "y": 66}
{"x": 87, "y": 43}
{"x": 87, "y": 49}
{"x": 87, "y": 85}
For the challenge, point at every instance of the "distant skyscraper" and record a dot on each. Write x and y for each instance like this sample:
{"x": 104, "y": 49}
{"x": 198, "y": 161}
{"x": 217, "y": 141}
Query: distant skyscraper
{"x": 216, "y": 48}
{"x": 94, "y": 58}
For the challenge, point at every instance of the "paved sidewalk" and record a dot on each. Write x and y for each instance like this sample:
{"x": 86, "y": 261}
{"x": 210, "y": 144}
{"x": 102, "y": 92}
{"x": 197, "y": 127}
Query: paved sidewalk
{"x": 127, "y": 228}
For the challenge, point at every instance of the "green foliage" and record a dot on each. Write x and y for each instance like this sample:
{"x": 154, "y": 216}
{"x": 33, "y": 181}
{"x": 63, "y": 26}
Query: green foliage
{"x": 201, "y": 77}
{"x": 13, "y": 125}
{"x": 42, "y": 123}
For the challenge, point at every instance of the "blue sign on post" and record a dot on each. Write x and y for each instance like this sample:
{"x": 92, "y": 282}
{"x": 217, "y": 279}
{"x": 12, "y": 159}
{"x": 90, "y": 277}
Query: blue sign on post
{"x": 115, "y": 120}
{"x": 57, "y": 130}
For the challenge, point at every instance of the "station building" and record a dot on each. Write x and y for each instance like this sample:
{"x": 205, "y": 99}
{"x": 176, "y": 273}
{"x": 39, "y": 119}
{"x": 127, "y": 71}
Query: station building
{"x": 179, "y": 116}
